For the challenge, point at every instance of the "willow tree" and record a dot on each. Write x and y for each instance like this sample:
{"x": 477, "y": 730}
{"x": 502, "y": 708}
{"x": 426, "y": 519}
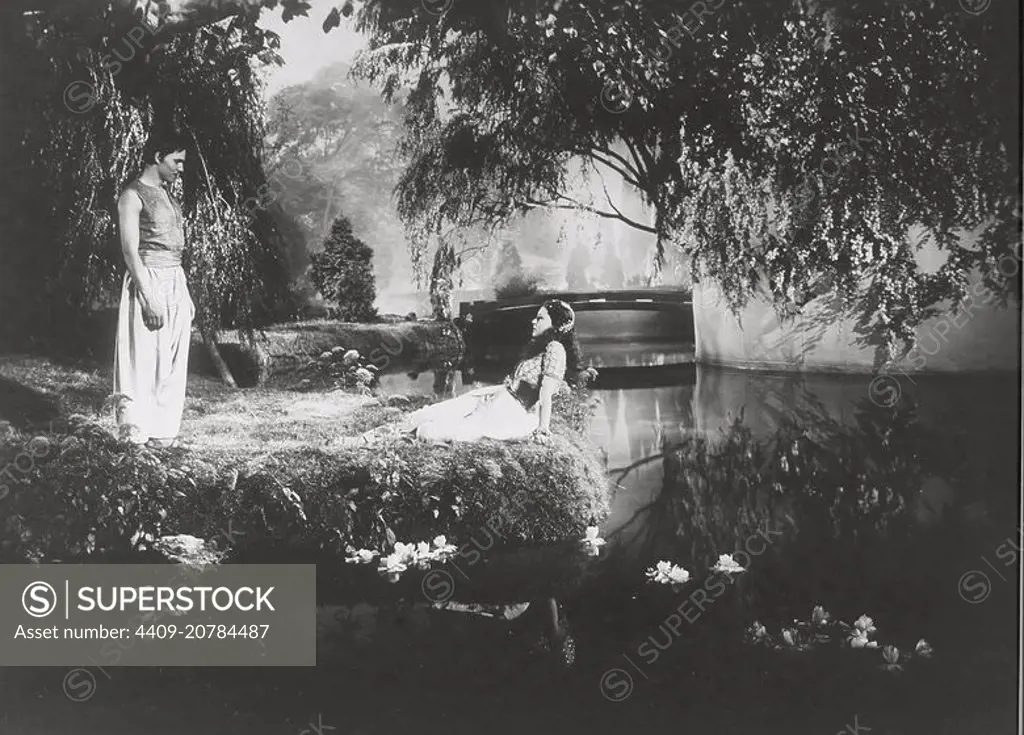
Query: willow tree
{"x": 719, "y": 114}
{"x": 720, "y": 117}
{"x": 79, "y": 112}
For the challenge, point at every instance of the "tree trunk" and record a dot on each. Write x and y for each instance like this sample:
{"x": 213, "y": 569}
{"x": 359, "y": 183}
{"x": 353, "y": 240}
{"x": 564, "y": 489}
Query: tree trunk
{"x": 218, "y": 360}
{"x": 442, "y": 281}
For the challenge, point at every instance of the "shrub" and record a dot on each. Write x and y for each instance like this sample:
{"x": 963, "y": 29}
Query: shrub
{"x": 521, "y": 284}
{"x": 343, "y": 273}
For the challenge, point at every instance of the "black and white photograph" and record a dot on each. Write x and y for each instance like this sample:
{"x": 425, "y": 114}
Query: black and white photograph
{"x": 400, "y": 367}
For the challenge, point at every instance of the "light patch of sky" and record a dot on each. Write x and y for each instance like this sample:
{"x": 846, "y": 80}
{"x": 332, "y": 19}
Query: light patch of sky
{"x": 306, "y": 49}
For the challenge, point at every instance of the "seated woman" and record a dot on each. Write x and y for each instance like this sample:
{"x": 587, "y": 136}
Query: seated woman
{"x": 518, "y": 409}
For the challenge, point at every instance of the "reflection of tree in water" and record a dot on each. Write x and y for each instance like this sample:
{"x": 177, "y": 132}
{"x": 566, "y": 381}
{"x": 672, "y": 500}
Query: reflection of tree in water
{"x": 836, "y": 502}
{"x": 444, "y": 383}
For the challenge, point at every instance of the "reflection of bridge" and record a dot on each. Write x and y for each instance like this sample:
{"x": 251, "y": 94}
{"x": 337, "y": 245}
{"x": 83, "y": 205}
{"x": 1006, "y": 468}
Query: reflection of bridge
{"x": 617, "y": 377}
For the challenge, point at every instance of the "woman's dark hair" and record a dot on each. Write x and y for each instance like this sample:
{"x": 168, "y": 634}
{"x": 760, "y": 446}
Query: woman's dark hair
{"x": 162, "y": 143}
{"x": 560, "y": 316}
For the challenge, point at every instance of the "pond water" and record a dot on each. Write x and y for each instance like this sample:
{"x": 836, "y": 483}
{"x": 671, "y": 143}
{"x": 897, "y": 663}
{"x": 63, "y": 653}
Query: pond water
{"x": 827, "y": 494}
{"x": 907, "y": 513}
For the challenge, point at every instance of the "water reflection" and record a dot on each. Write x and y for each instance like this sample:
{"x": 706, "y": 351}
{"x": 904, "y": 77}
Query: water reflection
{"x": 658, "y": 404}
{"x": 716, "y": 456}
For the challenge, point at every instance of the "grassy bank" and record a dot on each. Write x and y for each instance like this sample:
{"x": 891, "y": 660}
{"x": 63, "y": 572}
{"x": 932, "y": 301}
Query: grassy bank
{"x": 255, "y": 478}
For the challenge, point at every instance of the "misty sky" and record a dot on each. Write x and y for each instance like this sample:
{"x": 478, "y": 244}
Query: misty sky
{"x": 306, "y": 48}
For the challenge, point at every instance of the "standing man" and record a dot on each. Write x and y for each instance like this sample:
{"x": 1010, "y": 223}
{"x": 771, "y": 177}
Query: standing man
{"x": 154, "y": 323}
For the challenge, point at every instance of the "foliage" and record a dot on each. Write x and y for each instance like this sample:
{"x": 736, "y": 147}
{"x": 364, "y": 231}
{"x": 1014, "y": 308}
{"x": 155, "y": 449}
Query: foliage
{"x": 88, "y": 496}
{"x": 343, "y": 273}
{"x": 510, "y": 262}
{"x": 82, "y": 116}
{"x": 723, "y": 128}
{"x": 442, "y": 281}
{"x": 510, "y": 277}
{"x": 846, "y": 485}
{"x": 287, "y": 349}
{"x": 331, "y": 146}
{"x": 520, "y": 284}
{"x": 576, "y": 269}
{"x": 612, "y": 274}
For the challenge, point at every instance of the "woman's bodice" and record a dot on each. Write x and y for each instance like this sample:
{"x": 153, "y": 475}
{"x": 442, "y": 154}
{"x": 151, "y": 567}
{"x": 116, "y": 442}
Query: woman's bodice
{"x": 525, "y": 379}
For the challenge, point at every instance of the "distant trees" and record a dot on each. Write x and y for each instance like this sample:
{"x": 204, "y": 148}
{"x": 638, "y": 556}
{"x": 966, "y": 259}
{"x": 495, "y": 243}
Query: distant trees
{"x": 510, "y": 263}
{"x": 510, "y": 277}
{"x": 576, "y": 269}
{"x": 343, "y": 273}
{"x": 332, "y": 150}
{"x": 613, "y": 275}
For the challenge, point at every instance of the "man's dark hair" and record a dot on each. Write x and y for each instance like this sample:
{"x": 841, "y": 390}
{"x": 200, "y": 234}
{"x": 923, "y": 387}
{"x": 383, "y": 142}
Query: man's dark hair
{"x": 162, "y": 143}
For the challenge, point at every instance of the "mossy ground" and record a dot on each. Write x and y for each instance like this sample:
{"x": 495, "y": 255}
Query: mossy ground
{"x": 256, "y": 476}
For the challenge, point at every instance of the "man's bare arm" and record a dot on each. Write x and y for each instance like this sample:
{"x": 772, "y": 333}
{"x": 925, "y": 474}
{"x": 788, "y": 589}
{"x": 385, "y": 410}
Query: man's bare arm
{"x": 128, "y": 207}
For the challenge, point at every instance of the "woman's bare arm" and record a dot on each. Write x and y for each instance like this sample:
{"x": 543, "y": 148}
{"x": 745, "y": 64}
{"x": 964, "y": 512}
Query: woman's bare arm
{"x": 548, "y": 388}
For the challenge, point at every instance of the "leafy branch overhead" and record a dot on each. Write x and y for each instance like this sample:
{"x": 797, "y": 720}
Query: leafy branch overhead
{"x": 785, "y": 148}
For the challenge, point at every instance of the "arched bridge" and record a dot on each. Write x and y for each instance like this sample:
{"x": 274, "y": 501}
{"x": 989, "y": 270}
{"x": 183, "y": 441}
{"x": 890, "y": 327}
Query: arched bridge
{"x": 616, "y": 316}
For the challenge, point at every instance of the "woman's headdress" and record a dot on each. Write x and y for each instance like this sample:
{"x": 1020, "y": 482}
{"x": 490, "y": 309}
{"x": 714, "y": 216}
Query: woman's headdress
{"x": 571, "y": 322}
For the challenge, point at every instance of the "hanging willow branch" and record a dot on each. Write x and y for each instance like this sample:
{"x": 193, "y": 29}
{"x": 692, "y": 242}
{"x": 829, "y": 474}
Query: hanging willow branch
{"x": 76, "y": 141}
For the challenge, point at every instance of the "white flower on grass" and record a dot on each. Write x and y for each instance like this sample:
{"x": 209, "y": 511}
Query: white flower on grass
{"x": 593, "y": 542}
{"x": 728, "y": 565}
{"x": 668, "y": 573}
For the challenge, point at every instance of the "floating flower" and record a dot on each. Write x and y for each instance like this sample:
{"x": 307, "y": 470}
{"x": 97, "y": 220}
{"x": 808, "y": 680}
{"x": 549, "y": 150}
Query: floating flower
{"x": 727, "y": 564}
{"x": 819, "y": 616}
{"x": 417, "y": 555}
{"x": 891, "y": 656}
{"x": 864, "y": 624}
{"x": 422, "y": 555}
{"x": 922, "y": 649}
{"x": 668, "y": 573}
{"x": 443, "y": 549}
{"x": 789, "y": 636}
{"x": 592, "y": 541}
{"x": 392, "y": 567}
{"x": 756, "y": 632}
{"x": 860, "y": 639}
{"x": 362, "y": 556}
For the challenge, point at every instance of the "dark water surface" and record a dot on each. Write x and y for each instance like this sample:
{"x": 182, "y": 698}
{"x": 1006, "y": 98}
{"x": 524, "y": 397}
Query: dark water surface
{"x": 906, "y": 513}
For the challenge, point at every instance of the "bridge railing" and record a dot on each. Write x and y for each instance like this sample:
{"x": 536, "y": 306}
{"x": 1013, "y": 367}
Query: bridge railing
{"x": 584, "y": 301}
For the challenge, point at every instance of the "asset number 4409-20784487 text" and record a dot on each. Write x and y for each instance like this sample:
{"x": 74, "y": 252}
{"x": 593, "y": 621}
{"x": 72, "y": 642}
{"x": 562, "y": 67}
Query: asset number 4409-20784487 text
{"x": 200, "y": 632}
